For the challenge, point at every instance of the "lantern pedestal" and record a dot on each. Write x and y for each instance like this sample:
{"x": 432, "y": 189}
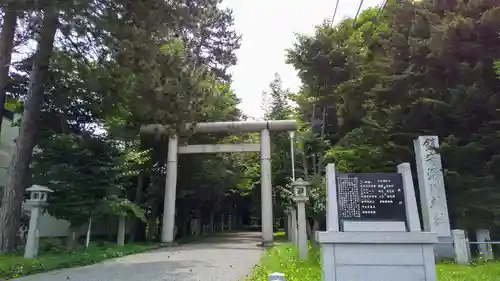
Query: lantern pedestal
{"x": 302, "y": 230}
{"x": 293, "y": 227}
{"x": 300, "y": 196}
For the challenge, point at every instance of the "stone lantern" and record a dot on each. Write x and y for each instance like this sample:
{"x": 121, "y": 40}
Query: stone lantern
{"x": 300, "y": 196}
{"x": 38, "y": 194}
{"x": 300, "y": 190}
{"x": 37, "y": 201}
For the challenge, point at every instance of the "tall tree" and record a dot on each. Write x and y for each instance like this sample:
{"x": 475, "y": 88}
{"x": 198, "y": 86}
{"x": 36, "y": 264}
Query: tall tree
{"x": 88, "y": 174}
{"x": 416, "y": 68}
{"x": 10, "y": 210}
{"x": 121, "y": 64}
{"x": 6, "y": 45}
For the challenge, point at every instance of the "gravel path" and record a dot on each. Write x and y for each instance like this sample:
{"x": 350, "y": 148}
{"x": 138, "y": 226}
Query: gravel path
{"x": 228, "y": 257}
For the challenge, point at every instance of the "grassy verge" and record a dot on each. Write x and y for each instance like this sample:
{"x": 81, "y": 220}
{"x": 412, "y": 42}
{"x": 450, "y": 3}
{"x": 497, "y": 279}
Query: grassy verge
{"x": 478, "y": 272}
{"x": 12, "y": 266}
{"x": 283, "y": 259}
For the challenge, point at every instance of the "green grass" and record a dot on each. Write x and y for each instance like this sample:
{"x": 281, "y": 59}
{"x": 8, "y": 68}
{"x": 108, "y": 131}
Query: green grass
{"x": 283, "y": 259}
{"x": 12, "y": 266}
{"x": 280, "y": 236}
{"x": 478, "y": 272}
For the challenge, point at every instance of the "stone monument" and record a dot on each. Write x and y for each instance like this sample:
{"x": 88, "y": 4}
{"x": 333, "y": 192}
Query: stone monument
{"x": 460, "y": 245}
{"x": 485, "y": 247}
{"x": 432, "y": 193}
{"x": 373, "y": 232}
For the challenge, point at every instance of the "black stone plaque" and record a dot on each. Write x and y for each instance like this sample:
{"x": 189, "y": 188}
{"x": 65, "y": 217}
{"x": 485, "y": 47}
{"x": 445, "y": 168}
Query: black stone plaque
{"x": 371, "y": 197}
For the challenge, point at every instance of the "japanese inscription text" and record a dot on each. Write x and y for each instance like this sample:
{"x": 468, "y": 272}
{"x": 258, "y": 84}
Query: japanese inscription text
{"x": 377, "y": 196}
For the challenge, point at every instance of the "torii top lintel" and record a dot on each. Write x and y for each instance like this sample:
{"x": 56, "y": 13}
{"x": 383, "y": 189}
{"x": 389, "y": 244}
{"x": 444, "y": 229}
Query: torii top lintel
{"x": 232, "y": 126}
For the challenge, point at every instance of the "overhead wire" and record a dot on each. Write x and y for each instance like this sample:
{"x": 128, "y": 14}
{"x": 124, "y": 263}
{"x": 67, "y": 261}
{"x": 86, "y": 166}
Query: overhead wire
{"x": 380, "y": 11}
{"x": 335, "y": 11}
{"x": 378, "y": 15}
{"x": 357, "y": 13}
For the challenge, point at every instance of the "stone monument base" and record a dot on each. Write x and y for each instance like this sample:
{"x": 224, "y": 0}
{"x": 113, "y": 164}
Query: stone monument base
{"x": 377, "y": 256}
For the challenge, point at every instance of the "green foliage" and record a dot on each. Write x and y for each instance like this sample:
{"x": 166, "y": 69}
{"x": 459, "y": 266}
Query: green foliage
{"x": 284, "y": 259}
{"x": 419, "y": 69}
{"x": 496, "y": 66}
{"x": 118, "y": 65}
{"x": 14, "y": 266}
{"x": 276, "y": 107}
{"x": 87, "y": 176}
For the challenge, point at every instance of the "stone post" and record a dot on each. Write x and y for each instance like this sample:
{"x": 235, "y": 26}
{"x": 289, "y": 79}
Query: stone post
{"x": 484, "y": 245}
{"x": 413, "y": 218}
{"x": 301, "y": 197}
{"x": 120, "y": 240}
{"x": 230, "y": 222}
{"x": 212, "y": 222}
{"x": 293, "y": 226}
{"x": 266, "y": 188}
{"x": 222, "y": 217}
{"x": 31, "y": 249}
{"x": 460, "y": 246}
{"x": 37, "y": 201}
{"x": 167, "y": 233}
{"x": 469, "y": 253}
{"x": 277, "y": 276}
{"x": 302, "y": 230}
{"x": 287, "y": 223}
{"x": 332, "y": 217}
{"x": 432, "y": 193}
{"x": 332, "y": 223}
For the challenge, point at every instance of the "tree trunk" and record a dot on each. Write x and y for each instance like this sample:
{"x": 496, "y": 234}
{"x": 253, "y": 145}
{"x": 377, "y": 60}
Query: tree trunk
{"x": 135, "y": 223}
{"x": 89, "y": 232}
{"x": 315, "y": 227}
{"x": 311, "y": 230}
{"x": 212, "y": 226}
{"x": 6, "y": 45}
{"x": 152, "y": 228}
{"x": 153, "y": 224}
{"x": 10, "y": 212}
{"x": 314, "y": 164}
{"x": 72, "y": 237}
{"x": 140, "y": 231}
{"x": 305, "y": 166}
{"x": 184, "y": 220}
{"x": 285, "y": 225}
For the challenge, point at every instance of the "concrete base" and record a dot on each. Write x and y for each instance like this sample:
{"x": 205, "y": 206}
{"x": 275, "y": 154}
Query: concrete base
{"x": 266, "y": 244}
{"x": 444, "y": 250}
{"x": 169, "y": 244}
{"x": 377, "y": 256}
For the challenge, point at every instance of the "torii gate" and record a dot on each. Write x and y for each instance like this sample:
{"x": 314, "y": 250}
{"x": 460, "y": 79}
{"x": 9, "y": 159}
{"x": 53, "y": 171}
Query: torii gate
{"x": 264, "y": 127}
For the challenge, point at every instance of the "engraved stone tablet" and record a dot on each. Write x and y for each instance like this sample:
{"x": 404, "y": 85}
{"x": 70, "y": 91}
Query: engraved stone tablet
{"x": 371, "y": 197}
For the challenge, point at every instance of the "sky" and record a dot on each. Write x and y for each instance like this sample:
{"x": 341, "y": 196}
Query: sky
{"x": 267, "y": 28}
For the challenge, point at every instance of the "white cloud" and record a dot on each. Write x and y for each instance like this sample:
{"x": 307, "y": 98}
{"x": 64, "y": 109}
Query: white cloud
{"x": 267, "y": 28}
